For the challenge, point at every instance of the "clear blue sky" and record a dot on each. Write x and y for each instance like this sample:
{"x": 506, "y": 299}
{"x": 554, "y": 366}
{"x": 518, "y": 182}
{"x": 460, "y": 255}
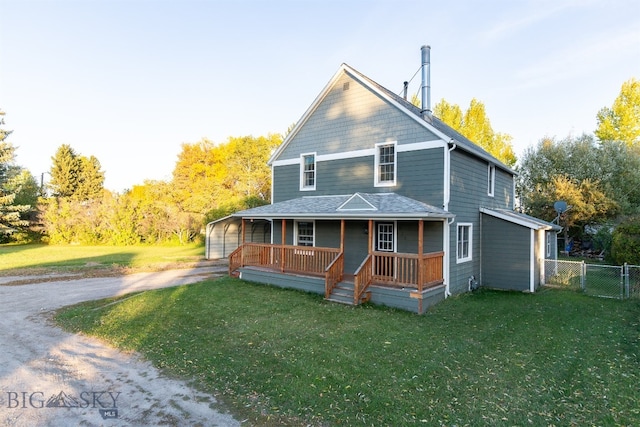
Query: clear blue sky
{"x": 130, "y": 81}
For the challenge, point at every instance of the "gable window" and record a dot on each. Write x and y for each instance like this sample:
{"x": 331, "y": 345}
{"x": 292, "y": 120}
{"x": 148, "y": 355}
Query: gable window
{"x": 304, "y": 233}
{"x": 463, "y": 252}
{"x": 491, "y": 179}
{"x": 307, "y": 172}
{"x": 385, "y": 164}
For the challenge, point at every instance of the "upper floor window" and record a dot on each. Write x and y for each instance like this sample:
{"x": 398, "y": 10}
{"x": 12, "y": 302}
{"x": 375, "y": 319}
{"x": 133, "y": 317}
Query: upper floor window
{"x": 491, "y": 179}
{"x": 304, "y": 233}
{"x": 308, "y": 171}
{"x": 385, "y": 164}
{"x": 463, "y": 252}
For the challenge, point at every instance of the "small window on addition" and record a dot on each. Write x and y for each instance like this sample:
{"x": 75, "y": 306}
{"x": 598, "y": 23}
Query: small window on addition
{"x": 491, "y": 179}
{"x": 463, "y": 252}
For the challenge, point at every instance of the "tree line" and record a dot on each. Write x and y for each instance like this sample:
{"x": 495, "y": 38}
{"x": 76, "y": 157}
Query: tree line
{"x": 598, "y": 176}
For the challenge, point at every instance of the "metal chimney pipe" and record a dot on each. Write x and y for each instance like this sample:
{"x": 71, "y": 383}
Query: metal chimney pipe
{"x": 426, "y": 81}
{"x": 406, "y": 87}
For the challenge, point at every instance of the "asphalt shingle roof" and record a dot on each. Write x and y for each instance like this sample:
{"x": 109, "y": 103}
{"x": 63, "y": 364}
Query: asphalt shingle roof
{"x": 353, "y": 206}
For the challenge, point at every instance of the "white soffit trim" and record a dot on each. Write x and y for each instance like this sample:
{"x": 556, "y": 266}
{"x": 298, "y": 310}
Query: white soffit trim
{"x": 515, "y": 220}
{"x": 344, "y": 68}
{"x": 307, "y": 114}
{"x": 356, "y": 75}
{"x": 368, "y": 152}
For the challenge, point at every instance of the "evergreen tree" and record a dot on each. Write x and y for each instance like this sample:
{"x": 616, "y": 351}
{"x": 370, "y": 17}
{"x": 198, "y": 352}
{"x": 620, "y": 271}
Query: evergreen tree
{"x": 75, "y": 176}
{"x": 91, "y": 182}
{"x": 11, "y": 214}
{"x": 65, "y": 172}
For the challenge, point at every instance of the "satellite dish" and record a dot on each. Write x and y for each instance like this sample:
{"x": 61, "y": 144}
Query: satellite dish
{"x": 560, "y": 206}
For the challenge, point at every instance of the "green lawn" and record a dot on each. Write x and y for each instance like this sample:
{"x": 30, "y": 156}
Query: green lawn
{"x": 75, "y": 257}
{"x": 282, "y": 357}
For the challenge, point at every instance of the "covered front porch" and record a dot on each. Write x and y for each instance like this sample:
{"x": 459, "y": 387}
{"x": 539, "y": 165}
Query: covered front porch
{"x": 391, "y": 261}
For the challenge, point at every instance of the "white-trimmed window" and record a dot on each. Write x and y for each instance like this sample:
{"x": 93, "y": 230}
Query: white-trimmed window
{"x": 491, "y": 179}
{"x": 386, "y": 164}
{"x": 307, "y": 171}
{"x": 386, "y": 237}
{"x": 548, "y": 236}
{"x": 304, "y": 233}
{"x": 465, "y": 236}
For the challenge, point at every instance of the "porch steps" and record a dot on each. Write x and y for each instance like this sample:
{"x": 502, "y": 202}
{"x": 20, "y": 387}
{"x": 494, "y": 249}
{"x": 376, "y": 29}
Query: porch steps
{"x": 343, "y": 294}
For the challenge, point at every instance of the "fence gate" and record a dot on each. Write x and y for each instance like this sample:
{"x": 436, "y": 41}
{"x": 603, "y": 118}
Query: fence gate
{"x": 607, "y": 281}
{"x": 632, "y": 281}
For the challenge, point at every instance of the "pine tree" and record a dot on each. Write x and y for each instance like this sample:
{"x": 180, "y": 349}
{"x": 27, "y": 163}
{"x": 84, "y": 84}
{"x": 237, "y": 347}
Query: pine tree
{"x": 10, "y": 213}
{"x": 75, "y": 176}
{"x": 65, "y": 172}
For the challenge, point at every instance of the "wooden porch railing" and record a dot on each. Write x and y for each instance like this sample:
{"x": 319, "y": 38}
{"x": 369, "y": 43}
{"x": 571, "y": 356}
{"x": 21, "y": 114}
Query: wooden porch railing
{"x": 362, "y": 278}
{"x": 333, "y": 274}
{"x": 408, "y": 269}
{"x": 235, "y": 260}
{"x": 286, "y": 258}
{"x": 394, "y": 269}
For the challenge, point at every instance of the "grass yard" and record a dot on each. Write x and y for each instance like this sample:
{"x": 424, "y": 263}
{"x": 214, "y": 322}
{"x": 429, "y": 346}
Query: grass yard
{"x": 68, "y": 258}
{"x": 283, "y": 357}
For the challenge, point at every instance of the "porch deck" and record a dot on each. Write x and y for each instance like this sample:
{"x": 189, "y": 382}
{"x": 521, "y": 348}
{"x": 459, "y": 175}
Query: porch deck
{"x": 415, "y": 275}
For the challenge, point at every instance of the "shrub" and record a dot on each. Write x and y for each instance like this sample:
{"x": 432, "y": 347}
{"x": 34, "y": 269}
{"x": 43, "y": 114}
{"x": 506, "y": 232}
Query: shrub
{"x": 625, "y": 242}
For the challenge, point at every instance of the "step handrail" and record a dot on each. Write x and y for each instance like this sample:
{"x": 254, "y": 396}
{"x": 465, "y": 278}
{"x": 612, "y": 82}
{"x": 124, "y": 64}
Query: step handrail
{"x": 333, "y": 274}
{"x": 363, "y": 277}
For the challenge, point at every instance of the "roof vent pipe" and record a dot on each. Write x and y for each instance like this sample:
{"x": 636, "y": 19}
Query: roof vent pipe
{"x": 406, "y": 87}
{"x": 426, "y": 81}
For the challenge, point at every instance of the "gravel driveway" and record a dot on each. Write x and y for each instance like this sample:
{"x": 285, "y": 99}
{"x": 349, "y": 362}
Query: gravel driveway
{"x": 49, "y": 377}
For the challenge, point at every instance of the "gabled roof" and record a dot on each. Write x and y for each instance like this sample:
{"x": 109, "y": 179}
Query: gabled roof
{"x": 431, "y": 123}
{"x": 351, "y": 206}
{"x": 521, "y": 219}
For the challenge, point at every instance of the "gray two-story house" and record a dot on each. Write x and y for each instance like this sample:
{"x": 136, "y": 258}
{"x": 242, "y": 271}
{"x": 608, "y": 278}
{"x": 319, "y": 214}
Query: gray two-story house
{"x": 376, "y": 199}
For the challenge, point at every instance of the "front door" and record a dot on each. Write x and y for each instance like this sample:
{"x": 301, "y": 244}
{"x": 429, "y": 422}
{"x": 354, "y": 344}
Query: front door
{"x": 385, "y": 242}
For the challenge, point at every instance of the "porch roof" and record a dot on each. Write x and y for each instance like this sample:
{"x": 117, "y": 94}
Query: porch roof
{"x": 349, "y": 206}
{"x": 521, "y": 219}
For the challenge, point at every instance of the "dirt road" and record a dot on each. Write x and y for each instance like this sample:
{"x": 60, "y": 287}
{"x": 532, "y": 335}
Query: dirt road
{"x": 49, "y": 377}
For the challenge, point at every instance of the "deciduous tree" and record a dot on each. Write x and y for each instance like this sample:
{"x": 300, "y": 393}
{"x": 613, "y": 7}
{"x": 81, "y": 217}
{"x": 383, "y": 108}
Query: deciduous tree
{"x": 621, "y": 122}
{"x": 476, "y": 126}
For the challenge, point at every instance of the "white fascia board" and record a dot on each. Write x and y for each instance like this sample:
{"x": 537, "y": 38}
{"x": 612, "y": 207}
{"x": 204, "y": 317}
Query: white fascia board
{"x": 519, "y": 221}
{"x": 355, "y": 74}
{"x": 307, "y": 114}
{"x": 351, "y": 216}
{"x": 368, "y": 152}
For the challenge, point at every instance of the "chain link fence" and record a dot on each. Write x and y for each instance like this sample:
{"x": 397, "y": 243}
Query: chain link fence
{"x": 606, "y": 281}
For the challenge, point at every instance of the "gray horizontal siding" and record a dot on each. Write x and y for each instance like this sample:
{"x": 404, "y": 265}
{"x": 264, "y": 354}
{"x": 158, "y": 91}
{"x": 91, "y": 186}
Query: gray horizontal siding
{"x": 420, "y": 177}
{"x": 506, "y": 249}
{"x": 401, "y": 298}
{"x": 289, "y": 281}
{"x": 469, "y": 192}
{"x": 353, "y": 119}
{"x": 396, "y": 298}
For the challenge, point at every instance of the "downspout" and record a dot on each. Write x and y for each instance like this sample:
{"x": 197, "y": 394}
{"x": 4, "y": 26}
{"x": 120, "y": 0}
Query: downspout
{"x": 532, "y": 261}
{"x": 446, "y": 244}
{"x": 447, "y": 175}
